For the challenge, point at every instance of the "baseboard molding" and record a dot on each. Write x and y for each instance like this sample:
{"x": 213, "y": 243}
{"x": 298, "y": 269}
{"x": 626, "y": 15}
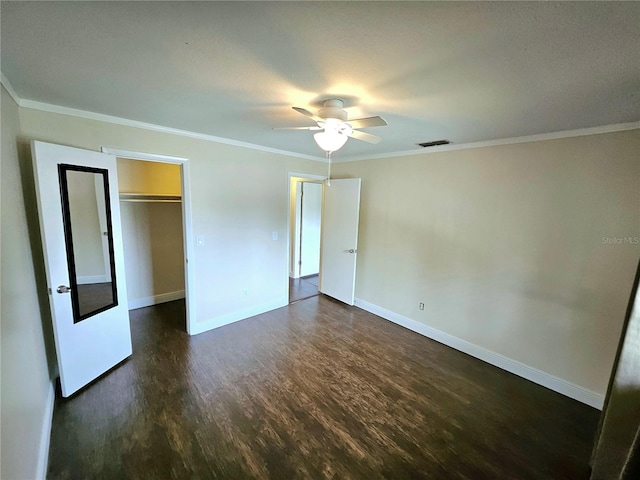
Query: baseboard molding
{"x": 93, "y": 279}
{"x": 45, "y": 434}
{"x": 156, "y": 299}
{"x": 222, "y": 320}
{"x": 547, "y": 380}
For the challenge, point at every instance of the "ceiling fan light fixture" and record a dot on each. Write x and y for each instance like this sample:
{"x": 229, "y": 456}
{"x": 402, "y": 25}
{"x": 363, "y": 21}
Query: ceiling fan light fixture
{"x": 330, "y": 141}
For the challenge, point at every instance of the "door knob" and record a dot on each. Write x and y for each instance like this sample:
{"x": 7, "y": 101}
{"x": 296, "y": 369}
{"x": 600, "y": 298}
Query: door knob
{"x": 351, "y": 250}
{"x": 63, "y": 289}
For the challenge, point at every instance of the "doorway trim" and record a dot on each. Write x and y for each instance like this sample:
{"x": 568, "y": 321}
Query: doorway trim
{"x": 309, "y": 176}
{"x": 187, "y": 229}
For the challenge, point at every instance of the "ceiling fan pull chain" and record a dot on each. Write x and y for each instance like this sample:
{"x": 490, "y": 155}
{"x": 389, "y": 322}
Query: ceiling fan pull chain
{"x": 329, "y": 172}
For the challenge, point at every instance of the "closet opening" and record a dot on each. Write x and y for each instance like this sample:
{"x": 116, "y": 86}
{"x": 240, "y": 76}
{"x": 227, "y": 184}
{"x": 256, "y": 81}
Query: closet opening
{"x": 156, "y": 229}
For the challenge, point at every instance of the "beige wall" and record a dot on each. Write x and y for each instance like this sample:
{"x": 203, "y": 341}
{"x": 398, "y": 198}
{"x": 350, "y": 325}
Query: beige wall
{"x": 153, "y": 251}
{"x": 150, "y": 178}
{"x": 239, "y": 197}
{"x": 26, "y": 386}
{"x": 151, "y": 232}
{"x": 504, "y": 245}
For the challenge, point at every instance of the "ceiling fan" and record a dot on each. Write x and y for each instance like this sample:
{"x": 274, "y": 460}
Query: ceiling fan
{"x": 334, "y": 127}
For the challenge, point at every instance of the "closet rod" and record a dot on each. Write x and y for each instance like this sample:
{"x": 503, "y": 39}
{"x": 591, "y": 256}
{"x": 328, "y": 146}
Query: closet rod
{"x": 140, "y": 197}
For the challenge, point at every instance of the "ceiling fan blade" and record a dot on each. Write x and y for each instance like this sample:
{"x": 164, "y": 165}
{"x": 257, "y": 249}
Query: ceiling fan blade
{"x": 368, "y": 122}
{"x": 307, "y": 113}
{"x": 315, "y": 127}
{"x": 365, "y": 137}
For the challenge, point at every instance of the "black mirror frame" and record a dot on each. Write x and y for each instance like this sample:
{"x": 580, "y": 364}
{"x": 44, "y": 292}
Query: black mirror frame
{"x": 68, "y": 237}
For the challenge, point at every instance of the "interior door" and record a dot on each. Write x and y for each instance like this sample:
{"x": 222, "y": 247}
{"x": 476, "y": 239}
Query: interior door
{"x": 87, "y": 296}
{"x": 341, "y": 213}
{"x": 311, "y": 218}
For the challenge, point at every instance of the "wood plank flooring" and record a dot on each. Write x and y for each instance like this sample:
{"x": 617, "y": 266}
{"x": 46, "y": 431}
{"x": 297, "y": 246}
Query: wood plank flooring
{"x": 301, "y": 288}
{"x": 315, "y": 390}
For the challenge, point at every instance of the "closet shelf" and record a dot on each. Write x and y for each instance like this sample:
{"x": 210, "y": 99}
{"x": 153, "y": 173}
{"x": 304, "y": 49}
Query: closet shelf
{"x": 146, "y": 197}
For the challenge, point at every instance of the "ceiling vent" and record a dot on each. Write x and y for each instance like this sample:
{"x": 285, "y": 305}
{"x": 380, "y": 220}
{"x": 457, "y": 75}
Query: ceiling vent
{"x": 435, "y": 143}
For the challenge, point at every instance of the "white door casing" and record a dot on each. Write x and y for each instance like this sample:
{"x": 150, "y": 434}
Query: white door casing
{"x": 90, "y": 347}
{"x": 340, "y": 216}
{"x": 187, "y": 230}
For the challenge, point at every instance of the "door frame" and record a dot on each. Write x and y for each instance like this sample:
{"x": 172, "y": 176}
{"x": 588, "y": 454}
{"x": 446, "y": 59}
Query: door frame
{"x": 187, "y": 228}
{"x": 291, "y": 175}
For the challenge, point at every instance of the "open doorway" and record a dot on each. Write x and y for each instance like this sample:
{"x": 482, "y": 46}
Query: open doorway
{"x": 156, "y": 231}
{"x": 305, "y": 233}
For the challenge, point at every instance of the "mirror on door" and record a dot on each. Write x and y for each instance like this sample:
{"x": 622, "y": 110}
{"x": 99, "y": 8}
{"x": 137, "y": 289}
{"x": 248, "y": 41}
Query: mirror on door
{"x": 89, "y": 239}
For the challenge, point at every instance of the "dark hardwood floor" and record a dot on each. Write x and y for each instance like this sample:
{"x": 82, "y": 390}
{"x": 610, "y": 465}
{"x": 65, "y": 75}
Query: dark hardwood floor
{"x": 303, "y": 287}
{"x": 314, "y": 390}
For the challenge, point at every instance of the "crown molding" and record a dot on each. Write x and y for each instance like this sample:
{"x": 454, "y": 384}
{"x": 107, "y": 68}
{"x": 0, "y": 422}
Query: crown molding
{"x": 619, "y": 127}
{"x": 9, "y": 88}
{"x": 73, "y": 112}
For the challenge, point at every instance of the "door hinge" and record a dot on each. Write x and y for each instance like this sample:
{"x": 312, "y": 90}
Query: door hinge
{"x": 299, "y": 262}
{"x": 49, "y": 291}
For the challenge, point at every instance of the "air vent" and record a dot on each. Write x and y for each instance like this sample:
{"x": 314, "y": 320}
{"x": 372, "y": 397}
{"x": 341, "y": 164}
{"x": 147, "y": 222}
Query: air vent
{"x": 435, "y": 143}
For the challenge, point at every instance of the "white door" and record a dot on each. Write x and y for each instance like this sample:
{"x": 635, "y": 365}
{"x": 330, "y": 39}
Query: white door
{"x": 90, "y": 320}
{"x": 311, "y": 218}
{"x": 340, "y": 217}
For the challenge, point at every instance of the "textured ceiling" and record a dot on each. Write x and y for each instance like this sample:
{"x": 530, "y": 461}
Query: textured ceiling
{"x": 465, "y": 72}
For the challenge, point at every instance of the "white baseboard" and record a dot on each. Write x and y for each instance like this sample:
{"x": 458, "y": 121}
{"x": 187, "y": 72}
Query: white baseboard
{"x": 156, "y": 299}
{"x": 45, "y": 434}
{"x": 222, "y": 320}
{"x": 93, "y": 279}
{"x": 547, "y": 380}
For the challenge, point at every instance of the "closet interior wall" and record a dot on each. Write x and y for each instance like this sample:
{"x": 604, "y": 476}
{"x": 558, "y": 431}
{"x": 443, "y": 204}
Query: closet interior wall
{"x": 151, "y": 215}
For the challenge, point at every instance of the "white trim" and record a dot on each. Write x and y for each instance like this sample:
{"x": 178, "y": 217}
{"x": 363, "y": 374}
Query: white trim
{"x": 307, "y": 176}
{"x": 45, "y": 434}
{"x": 547, "y": 380}
{"x": 9, "y": 88}
{"x": 188, "y": 246}
{"x": 619, "y": 127}
{"x": 232, "y": 317}
{"x": 93, "y": 279}
{"x": 187, "y": 225}
{"x": 74, "y": 112}
{"x": 151, "y": 157}
{"x": 155, "y": 299}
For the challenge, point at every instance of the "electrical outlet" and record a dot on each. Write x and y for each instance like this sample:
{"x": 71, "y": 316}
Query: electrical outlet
{"x": 274, "y": 235}
{"x": 421, "y": 306}
{"x": 245, "y": 292}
